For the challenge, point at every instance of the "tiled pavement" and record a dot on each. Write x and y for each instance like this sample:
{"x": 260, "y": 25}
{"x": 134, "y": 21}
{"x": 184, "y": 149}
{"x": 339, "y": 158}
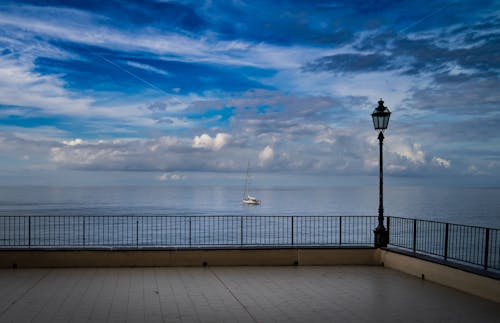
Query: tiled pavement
{"x": 233, "y": 294}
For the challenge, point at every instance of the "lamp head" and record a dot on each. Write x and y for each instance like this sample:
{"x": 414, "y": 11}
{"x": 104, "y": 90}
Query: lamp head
{"x": 381, "y": 116}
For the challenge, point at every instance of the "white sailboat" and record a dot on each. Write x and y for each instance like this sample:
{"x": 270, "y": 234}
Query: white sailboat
{"x": 247, "y": 198}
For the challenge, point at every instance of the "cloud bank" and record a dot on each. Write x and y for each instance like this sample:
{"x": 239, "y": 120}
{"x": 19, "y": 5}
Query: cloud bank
{"x": 179, "y": 86}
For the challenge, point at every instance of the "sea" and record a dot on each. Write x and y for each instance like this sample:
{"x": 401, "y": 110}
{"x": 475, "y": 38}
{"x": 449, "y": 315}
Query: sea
{"x": 461, "y": 205}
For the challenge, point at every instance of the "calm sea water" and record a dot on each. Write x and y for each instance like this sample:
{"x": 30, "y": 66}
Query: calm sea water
{"x": 471, "y": 206}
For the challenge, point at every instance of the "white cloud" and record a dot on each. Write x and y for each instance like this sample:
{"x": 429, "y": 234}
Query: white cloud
{"x": 396, "y": 168}
{"x": 74, "y": 142}
{"x": 27, "y": 91}
{"x": 266, "y": 155}
{"x": 206, "y": 142}
{"x": 87, "y": 156}
{"x": 327, "y": 136}
{"x": 221, "y": 139}
{"x": 171, "y": 155}
{"x": 474, "y": 170}
{"x": 164, "y": 142}
{"x": 20, "y": 86}
{"x": 171, "y": 177}
{"x": 441, "y": 162}
{"x": 190, "y": 49}
{"x": 149, "y": 68}
{"x": 203, "y": 141}
{"x": 413, "y": 152}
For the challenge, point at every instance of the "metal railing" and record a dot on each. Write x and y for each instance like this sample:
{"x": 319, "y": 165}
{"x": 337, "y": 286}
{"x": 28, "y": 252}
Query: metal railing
{"x": 470, "y": 245}
{"x": 184, "y": 231}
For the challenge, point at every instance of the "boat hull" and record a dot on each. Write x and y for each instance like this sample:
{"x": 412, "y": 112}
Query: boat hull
{"x": 251, "y": 201}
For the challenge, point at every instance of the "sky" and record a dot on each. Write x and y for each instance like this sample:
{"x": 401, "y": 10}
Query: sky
{"x": 162, "y": 92}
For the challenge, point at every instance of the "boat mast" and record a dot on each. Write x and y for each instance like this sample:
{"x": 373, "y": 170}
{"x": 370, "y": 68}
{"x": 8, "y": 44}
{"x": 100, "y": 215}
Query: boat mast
{"x": 245, "y": 193}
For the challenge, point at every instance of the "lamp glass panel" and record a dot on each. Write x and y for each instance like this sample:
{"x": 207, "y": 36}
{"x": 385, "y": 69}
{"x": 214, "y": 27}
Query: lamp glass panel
{"x": 386, "y": 120}
{"x": 381, "y": 120}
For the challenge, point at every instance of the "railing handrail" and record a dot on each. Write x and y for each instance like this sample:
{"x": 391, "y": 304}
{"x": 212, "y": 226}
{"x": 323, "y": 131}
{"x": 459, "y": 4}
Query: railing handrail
{"x": 189, "y": 215}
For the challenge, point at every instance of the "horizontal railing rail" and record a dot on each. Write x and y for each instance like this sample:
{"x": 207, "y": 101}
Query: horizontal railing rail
{"x": 184, "y": 231}
{"x": 463, "y": 244}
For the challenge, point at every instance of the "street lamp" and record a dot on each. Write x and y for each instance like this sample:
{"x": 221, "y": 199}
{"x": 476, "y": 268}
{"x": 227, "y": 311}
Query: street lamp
{"x": 380, "y": 118}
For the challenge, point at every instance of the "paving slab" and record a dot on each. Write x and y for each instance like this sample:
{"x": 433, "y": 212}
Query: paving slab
{"x": 233, "y": 294}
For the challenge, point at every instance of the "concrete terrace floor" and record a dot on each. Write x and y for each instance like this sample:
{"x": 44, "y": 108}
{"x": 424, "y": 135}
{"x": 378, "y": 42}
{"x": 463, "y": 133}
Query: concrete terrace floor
{"x": 233, "y": 294}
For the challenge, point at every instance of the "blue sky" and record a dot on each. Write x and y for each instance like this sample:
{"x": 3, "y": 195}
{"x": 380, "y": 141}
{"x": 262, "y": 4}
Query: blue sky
{"x": 170, "y": 91}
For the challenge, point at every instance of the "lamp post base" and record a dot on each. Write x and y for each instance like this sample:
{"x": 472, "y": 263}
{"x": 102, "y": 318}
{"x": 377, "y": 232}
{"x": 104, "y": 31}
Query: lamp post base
{"x": 381, "y": 237}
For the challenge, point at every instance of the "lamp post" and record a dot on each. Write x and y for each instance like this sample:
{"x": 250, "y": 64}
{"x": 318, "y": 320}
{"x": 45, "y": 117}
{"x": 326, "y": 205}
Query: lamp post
{"x": 380, "y": 118}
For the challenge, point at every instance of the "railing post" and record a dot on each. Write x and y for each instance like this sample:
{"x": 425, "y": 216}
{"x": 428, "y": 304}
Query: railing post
{"x": 137, "y": 233}
{"x": 29, "y": 232}
{"x": 486, "y": 248}
{"x": 292, "y": 230}
{"x": 241, "y": 230}
{"x": 340, "y": 230}
{"x": 84, "y": 231}
{"x": 388, "y": 229}
{"x": 190, "y": 231}
{"x": 414, "y": 236}
{"x": 446, "y": 235}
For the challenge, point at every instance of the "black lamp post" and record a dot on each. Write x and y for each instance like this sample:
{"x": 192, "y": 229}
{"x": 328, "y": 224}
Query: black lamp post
{"x": 381, "y": 117}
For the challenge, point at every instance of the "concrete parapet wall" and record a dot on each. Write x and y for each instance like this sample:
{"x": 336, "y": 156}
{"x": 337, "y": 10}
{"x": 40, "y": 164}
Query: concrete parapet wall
{"x": 187, "y": 257}
{"x": 326, "y": 257}
{"x": 471, "y": 283}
